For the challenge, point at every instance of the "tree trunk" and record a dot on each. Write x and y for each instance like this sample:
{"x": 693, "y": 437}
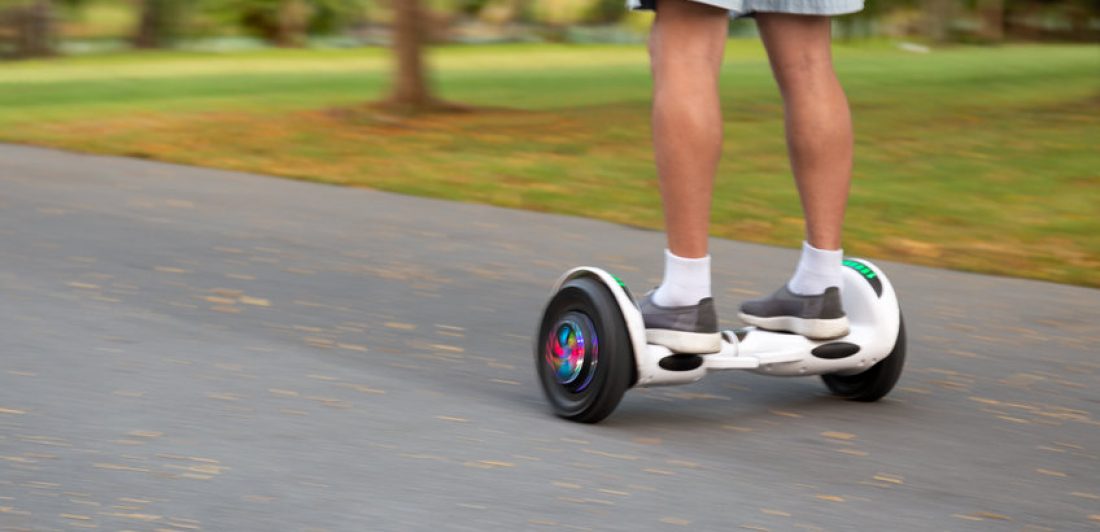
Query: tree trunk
{"x": 153, "y": 23}
{"x": 993, "y": 19}
{"x": 291, "y": 21}
{"x": 938, "y": 19}
{"x": 35, "y": 29}
{"x": 146, "y": 35}
{"x": 410, "y": 89}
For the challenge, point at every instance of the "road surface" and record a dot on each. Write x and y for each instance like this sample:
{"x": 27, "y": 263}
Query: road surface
{"x": 188, "y": 349}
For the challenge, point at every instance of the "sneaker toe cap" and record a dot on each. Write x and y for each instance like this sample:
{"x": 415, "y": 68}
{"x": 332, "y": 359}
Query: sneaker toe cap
{"x": 754, "y": 307}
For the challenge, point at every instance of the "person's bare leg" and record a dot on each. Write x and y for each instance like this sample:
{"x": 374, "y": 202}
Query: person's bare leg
{"x": 819, "y": 143}
{"x": 818, "y": 122}
{"x": 686, "y": 46}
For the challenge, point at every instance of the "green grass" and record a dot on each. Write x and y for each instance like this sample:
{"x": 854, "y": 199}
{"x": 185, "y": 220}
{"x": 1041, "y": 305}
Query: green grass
{"x": 982, "y": 159}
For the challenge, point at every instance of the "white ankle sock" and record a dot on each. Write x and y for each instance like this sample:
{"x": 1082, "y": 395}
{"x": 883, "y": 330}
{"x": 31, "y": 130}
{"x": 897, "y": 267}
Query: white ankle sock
{"x": 686, "y": 281}
{"x": 817, "y": 270}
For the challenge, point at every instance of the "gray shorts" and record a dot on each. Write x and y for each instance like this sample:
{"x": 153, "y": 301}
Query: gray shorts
{"x": 746, "y": 8}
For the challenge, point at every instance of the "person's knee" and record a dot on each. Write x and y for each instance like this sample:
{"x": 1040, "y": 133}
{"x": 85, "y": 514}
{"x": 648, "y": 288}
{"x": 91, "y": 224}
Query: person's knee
{"x": 806, "y": 61}
{"x": 804, "y": 68}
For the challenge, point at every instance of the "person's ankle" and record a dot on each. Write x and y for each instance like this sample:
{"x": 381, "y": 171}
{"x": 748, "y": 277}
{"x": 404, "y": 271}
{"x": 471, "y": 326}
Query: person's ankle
{"x": 817, "y": 270}
{"x": 686, "y": 281}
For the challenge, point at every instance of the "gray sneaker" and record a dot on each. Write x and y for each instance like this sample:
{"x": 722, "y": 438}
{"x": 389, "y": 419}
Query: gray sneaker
{"x": 819, "y": 317}
{"x": 689, "y": 330}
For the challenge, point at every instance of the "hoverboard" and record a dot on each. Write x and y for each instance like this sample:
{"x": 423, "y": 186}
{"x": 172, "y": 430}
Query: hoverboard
{"x": 591, "y": 345}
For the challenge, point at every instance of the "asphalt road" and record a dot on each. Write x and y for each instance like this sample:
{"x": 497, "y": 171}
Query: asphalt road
{"x": 187, "y": 349}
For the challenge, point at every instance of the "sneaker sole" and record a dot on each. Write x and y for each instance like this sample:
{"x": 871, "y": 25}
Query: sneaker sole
{"x": 685, "y": 343}
{"x": 829, "y": 329}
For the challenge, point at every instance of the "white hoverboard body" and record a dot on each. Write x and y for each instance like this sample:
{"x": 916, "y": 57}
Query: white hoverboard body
{"x": 869, "y": 301}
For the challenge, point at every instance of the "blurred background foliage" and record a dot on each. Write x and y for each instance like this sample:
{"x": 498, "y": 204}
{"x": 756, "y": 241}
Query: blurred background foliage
{"x": 30, "y": 28}
{"x": 976, "y": 136}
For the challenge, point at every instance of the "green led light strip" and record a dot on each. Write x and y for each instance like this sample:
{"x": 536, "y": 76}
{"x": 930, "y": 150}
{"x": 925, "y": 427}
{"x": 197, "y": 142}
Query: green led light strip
{"x": 859, "y": 267}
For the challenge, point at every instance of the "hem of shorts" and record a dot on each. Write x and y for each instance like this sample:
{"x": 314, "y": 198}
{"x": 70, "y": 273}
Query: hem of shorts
{"x": 841, "y": 8}
{"x": 833, "y": 9}
{"x": 640, "y": 5}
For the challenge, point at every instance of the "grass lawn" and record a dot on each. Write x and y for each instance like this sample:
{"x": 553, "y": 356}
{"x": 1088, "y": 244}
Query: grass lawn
{"x": 981, "y": 159}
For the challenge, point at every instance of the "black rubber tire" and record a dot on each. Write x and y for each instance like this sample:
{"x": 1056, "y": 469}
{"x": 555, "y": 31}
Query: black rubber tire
{"x": 615, "y": 370}
{"x": 876, "y": 382}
